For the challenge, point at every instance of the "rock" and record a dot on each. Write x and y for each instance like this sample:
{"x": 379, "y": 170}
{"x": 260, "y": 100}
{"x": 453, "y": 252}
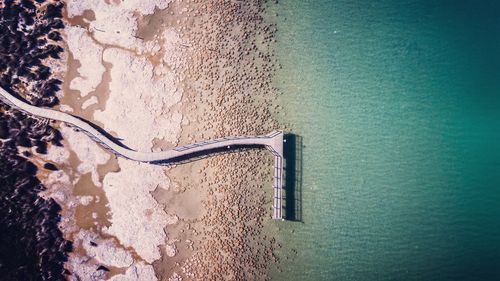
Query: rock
{"x": 175, "y": 277}
{"x": 50, "y": 166}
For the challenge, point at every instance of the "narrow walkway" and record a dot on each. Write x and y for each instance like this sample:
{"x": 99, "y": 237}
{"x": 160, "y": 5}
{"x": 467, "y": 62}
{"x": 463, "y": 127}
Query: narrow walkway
{"x": 272, "y": 141}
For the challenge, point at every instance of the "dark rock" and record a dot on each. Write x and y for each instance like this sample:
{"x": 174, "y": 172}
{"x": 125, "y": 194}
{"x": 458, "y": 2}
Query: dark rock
{"x": 53, "y": 11}
{"x": 28, "y": 4}
{"x": 41, "y": 147}
{"x": 55, "y": 36}
{"x": 101, "y": 267}
{"x": 29, "y": 168}
{"x": 50, "y": 166}
{"x": 31, "y": 245}
{"x": 23, "y": 141}
{"x": 4, "y": 131}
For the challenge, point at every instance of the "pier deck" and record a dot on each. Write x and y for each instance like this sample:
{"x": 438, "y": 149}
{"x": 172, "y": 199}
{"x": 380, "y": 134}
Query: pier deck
{"x": 272, "y": 141}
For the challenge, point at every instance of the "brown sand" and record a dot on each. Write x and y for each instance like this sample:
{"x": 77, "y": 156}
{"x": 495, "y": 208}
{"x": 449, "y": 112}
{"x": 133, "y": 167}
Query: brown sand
{"x": 223, "y": 202}
{"x": 228, "y": 92}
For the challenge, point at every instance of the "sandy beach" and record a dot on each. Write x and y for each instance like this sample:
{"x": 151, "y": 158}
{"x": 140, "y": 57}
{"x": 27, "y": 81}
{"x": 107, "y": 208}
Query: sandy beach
{"x": 158, "y": 74}
{"x": 387, "y": 117}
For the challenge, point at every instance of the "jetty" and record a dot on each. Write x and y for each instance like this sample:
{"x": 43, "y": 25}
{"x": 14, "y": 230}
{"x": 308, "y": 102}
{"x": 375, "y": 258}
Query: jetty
{"x": 272, "y": 141}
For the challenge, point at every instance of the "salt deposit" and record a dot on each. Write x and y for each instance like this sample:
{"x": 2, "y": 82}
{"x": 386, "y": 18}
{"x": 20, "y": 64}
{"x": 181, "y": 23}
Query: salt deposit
{"x": 91, "y": 101}
{"x": 116, "y": 24}
{"x": 170, "y": 250}
{"x": 137, "y": 219}
{"x": 84, "y": 269}
{"x": 57, "y": 178}
{"x": 65, "y": 108}
{"x": 137, "y": 105}
{"x": 172, "y": 219}
{"x": 57, "y": 154}
{"x": 77, "y": 7}
{"x": 56, "y": 182}
{"x": 219, "y": 71}
{"x": 105, "y": 251}
{"x": 85, "y": 200}
{"x": 89, "y": 54}
{"x": 88, "y": 151}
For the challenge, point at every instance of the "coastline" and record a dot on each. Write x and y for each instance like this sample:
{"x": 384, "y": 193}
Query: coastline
{"x": 187, "y": 218}
{"x": 393, "y": 105}
{"x": 31, "y": 63}
{"x": 155, "y": 74}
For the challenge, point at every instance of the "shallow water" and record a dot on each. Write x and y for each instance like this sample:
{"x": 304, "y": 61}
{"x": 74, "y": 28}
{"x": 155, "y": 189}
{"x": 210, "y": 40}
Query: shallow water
{"x": 398, "y": 106}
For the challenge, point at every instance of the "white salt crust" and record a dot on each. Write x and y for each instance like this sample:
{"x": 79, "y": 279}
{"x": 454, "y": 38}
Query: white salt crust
{"x": 137, "y": 220}
{"x": 89, "y": 54}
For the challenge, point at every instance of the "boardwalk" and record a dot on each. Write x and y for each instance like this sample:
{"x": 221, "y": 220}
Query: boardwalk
{"x": 272, "y": 141}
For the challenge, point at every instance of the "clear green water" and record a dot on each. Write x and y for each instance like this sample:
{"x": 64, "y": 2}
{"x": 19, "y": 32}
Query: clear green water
{"x": 398, "y": 104}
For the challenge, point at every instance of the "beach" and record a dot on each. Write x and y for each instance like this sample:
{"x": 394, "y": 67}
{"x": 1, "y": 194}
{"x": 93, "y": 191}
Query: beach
{"x": 159, "y": 74}
{"x": 392, "y": 109}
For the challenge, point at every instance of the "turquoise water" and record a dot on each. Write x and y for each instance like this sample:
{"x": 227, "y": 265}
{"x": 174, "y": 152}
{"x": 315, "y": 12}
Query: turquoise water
{"x": 398, "y": 105}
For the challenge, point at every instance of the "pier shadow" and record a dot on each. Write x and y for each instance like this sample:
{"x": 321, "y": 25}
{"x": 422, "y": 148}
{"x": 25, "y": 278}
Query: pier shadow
{"x": 292, "y": 171}
{"x": 191, "y": 157}
{"x": 100, "y": 130}
{"x": 195, "y": 156}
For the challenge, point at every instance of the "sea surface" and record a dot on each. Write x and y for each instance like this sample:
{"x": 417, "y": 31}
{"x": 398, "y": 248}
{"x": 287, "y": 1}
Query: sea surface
{"x": 397, "y": 105}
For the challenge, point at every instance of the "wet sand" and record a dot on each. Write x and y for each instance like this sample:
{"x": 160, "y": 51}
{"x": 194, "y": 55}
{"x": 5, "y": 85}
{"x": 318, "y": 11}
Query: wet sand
{"x": 228, "y": 234}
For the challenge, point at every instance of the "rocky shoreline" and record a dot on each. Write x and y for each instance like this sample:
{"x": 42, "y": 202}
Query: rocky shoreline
{"x": 32, "y": 246}
{"x": 158, "y": 74}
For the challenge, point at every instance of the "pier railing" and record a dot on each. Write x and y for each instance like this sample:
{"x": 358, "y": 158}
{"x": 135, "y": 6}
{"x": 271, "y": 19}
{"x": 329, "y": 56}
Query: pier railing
{"x": 272, "y": 141}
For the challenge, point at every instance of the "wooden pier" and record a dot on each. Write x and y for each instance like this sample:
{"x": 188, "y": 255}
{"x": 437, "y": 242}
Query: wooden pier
{"x": 272, "y": 141}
